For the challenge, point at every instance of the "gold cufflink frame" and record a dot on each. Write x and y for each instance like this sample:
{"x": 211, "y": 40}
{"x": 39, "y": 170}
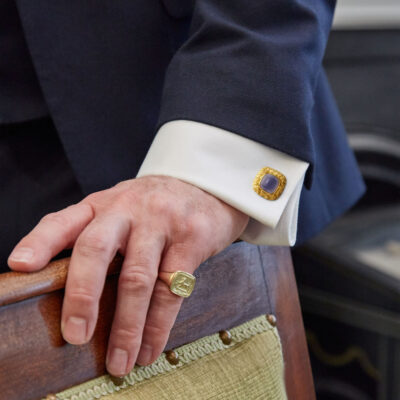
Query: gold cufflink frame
{"x": 279, "y": 189}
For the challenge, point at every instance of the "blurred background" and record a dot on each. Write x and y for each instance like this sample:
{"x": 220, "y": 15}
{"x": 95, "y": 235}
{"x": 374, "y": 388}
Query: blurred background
{"x": 349, "y": 276}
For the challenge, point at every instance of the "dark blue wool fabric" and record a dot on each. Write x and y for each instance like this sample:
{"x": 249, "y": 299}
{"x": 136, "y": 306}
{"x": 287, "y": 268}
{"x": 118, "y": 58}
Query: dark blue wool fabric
{"x": 113, "y": 72}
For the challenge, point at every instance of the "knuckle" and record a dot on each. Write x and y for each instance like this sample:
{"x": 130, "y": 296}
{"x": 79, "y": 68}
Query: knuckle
{"x": 155, "y": 336}
{"x": 134, "y": 279}
{"x": 156, "y": 333}
{"x": 57, "y": 218}
{"x": 128, "y": 336}
{"x": 162, "y": 205}
{"x": 92, "y": 242}
{"x": 82, "y": 296}
{"x": 128, "y": 197}
{"x": 141, "y": 259}
{"x": 85, "y": 207}
{"x": 91, "y": 198}
{"x": 197, "y": 227}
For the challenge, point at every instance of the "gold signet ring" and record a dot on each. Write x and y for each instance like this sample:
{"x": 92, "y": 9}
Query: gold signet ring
{"x": 179, "y": 282}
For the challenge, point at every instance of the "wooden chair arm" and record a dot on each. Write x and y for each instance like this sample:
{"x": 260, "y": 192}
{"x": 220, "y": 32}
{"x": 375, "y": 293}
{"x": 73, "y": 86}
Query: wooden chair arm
{"x": 35, "y": 360}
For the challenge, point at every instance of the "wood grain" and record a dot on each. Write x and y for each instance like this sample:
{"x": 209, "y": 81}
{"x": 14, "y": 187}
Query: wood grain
{"x": 17, "y": 286}
{"x": 285, "y": 303}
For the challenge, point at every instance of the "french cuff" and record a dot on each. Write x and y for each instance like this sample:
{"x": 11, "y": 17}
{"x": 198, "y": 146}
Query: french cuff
{"x": 231, "y": 167}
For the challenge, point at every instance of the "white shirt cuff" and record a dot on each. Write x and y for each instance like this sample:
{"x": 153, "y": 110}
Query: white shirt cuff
{"x": 225, "y": 165}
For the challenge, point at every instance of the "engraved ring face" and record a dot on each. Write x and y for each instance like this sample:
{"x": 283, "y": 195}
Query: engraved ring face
{"x": 182, "y": 283}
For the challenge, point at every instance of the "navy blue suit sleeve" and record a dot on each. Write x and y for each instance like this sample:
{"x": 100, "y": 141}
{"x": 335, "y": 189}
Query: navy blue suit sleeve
{"x": 250, "y": 67}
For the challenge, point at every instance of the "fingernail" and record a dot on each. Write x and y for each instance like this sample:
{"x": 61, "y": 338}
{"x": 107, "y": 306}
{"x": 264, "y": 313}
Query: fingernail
{"x": 145, "y": 354}
{"x": 117, "y": 362}
{"x": 117, "y": 380}
{"x": 74, "y": 331}
{"x": 21, "y": 254}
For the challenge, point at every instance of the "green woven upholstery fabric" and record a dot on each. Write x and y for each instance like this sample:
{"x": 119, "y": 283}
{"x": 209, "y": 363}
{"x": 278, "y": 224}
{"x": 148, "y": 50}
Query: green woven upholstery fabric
{"x": 251, "y": 367}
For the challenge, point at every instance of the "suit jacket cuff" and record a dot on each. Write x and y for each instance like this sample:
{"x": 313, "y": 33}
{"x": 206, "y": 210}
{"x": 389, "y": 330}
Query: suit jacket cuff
{"x": 225, "y": 164}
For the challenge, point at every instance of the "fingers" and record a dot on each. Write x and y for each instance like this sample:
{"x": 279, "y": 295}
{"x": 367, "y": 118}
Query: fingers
{"x": 146, "y": 309}
{"x": 92, "y": 254}
{"x": 54, "y": 233}
{"x": 161, "y": 316}
{"x": 165, "y": 305}
{"x": 136, "y": 283}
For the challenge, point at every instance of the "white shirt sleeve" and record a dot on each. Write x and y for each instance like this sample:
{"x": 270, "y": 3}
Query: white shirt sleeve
{"x": 225, "y": 164}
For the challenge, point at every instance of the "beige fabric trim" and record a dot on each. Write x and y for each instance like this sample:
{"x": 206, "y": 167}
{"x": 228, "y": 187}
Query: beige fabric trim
{"x": 251, "y": 367}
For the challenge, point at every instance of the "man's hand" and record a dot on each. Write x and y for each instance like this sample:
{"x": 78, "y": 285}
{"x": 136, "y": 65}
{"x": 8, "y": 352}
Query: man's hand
{"x": 159, "y": 224}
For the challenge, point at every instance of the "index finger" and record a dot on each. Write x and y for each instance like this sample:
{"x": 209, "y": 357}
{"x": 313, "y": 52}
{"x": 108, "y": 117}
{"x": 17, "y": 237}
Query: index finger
{"x": 54, "y": 233}
{"x": 92, "y": 254}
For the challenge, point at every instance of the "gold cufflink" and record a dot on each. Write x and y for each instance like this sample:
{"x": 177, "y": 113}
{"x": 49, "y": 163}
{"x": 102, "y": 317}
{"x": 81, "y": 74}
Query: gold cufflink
{"x": 269, "y": 183}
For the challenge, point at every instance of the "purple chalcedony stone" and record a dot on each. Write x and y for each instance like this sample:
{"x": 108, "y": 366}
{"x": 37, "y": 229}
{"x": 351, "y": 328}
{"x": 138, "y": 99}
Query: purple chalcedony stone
{"x": 269, "y": 183}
